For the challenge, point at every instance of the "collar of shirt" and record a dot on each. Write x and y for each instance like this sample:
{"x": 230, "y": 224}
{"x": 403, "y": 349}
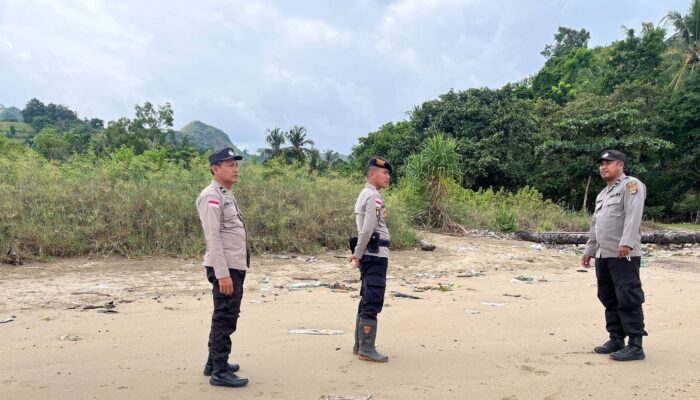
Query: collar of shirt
{"x": 370, "y": 186}
{"x": 617, "y": 183}
{"x": 219, "y": 187}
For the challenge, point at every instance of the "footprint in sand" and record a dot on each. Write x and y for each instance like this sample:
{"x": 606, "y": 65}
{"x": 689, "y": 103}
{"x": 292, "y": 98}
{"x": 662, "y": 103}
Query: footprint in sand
{"x": 533, "y": 370}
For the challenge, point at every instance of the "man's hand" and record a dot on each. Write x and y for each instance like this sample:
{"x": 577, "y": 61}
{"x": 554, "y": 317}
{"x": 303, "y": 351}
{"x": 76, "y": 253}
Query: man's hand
{"x": 226, "y": 286}
{"x": 353, "y": 259}
{"x": 623, "y": 251}
{"x": 586, "y": 261}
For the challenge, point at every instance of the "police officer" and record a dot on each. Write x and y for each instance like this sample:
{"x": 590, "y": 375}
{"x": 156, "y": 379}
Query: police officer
{"x": 226, "y": 261}
{"x": 615, "y": 242}
{"x": 371, "y": 256}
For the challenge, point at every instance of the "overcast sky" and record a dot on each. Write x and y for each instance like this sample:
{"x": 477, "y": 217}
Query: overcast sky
{"x": 340, "y": 68}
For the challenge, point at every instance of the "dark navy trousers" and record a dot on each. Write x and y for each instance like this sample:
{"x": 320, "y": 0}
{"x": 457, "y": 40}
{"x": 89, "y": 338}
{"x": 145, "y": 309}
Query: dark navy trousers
{"x": 224, "y": 318}
{"x": 620, "y": 291}
{"x": 373, "y": 276}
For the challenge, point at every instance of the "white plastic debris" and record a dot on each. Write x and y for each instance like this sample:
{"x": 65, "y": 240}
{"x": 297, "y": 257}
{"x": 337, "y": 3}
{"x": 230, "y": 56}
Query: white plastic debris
{"x": 493, "y": 304}
{"x": 326, "y": 332}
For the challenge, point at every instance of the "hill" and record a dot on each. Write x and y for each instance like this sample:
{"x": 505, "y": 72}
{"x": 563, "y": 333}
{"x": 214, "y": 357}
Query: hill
{"x": 10, "y": 113}
{"x": 206, "y": 137}
{"x": 23, "y": 130}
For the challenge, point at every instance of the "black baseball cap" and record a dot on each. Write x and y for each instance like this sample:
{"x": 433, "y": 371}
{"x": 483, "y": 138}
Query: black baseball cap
{"x": 223, "y": 155}
{"x": 612, "y": 155}
{"x": 379, "y": 163}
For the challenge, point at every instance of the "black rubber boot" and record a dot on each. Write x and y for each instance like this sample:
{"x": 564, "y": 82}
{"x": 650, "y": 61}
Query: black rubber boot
{"x": 616, "y": 342}
{"x": 368, "y": 334}
{"x": 356, "y": 347}
{"x": 632, "y": 352}
{"x": 228, "y": 379}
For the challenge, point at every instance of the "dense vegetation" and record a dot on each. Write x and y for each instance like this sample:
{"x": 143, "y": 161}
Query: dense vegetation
{"x": 517, "y": 157}
{"x": 638, "y": 95}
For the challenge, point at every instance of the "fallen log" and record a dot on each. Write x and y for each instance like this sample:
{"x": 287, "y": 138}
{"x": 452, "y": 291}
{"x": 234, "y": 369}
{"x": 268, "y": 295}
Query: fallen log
{"x": 656, "y": 237}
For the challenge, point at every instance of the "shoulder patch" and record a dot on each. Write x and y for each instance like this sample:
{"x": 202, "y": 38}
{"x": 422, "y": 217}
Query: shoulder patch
{"x": 213, "y": 203}
{"x": 632, "y": 187}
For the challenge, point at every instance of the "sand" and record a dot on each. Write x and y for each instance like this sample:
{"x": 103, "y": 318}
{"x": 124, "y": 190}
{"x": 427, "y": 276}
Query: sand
{"x": 446, "y": 345}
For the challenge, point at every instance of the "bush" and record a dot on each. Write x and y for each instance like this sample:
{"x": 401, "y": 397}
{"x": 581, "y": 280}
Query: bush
{"x": 132, "y": 204}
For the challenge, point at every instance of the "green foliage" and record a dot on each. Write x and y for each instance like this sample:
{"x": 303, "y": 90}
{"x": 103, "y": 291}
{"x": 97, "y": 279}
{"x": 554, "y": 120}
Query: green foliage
{"x": 137, "y": 204}
{"x": 546, "y": 131}
{"x": 686, "y": 37}
{"x": 22, "y": 131}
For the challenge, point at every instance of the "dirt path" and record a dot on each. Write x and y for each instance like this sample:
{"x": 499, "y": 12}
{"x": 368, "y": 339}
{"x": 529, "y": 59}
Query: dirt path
{"x": 476, "y": 331}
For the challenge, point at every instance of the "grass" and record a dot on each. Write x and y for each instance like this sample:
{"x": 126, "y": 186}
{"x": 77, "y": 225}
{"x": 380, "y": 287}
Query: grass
{"x": 22, "y": 130}
{"x": 143, "y": 205}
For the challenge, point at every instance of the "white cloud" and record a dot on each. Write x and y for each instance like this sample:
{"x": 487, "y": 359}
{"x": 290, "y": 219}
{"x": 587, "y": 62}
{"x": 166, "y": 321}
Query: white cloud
{"x": 341, "y": 69}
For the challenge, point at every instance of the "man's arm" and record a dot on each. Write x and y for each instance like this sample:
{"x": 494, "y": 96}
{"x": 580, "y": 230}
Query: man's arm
{"x": 634, "y": 208}
{"x": 369, "y": 224}
{"x": 209, "y": 209}
{"x": 591, "y": 244}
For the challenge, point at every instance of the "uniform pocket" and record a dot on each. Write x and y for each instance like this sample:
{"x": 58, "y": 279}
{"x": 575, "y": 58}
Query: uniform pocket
{"x": 614, "y": 206}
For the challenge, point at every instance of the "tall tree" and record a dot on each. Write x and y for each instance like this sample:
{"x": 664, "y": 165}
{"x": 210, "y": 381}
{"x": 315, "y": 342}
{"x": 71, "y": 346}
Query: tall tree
{"x": 276, "y": 139}
{"x": 298, "y": 142}
{"x": 687, "y": 37}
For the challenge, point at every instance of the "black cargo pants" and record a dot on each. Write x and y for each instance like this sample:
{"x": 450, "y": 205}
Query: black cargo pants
{"x": 620, "y": 291}
{"x": 224, "y": 318}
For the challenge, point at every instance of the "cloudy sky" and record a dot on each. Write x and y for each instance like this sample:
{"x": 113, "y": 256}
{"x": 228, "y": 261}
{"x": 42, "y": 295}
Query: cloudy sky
{"x": 339, "y": 68}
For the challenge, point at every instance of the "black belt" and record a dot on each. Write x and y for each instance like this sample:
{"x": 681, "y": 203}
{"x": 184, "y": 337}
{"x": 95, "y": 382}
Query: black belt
{"x": 383, "y": 243}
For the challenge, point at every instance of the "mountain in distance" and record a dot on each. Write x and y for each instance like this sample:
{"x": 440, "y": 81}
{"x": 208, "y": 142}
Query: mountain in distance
{"x": 206, "y": 137}
{"x": 10, "y": 113}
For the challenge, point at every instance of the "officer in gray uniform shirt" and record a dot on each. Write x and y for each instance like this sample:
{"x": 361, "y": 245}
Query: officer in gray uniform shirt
{"x": 371, "y": 255}
{"x": 615, "y": 242}
{"x": 226, "y": 262}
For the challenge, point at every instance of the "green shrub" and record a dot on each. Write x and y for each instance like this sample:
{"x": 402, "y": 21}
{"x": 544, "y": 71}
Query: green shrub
{"x": 145, "y": 204}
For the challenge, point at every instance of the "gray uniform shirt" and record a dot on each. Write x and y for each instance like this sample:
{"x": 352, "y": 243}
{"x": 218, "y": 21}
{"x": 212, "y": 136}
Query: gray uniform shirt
{"x": 224, "y": 230}
{"x": 617, "y": 219}
{"x": 370, "y": 217}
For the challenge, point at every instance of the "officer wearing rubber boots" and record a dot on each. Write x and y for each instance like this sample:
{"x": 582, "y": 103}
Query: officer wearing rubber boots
{"x": 370, "y": 253}
{"x": 226, "y": 261}
{"x": 615, "y": 243}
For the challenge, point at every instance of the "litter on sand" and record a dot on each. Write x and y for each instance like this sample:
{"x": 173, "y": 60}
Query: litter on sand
{"x": 326, "y": 332}
{"x": 493, "y": 304}
{"x": 335, "y": 397}
{"x": 304, "y": 285}
{"x": 524, "y": 279}
{"x": 473, "y": 312}
{"x": 2, "y": 321}
{"x": 404, "y": 295}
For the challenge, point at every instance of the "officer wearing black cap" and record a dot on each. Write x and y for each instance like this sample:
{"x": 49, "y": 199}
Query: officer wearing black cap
{"x": 615, "y": 242}
{"x": 226, "y": 261}
{"x": 371, "y": 255}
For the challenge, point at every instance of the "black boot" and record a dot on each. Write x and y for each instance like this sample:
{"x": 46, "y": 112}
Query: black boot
{"x": 616, "y": 342}
{"x": 356, "y": 347}
{"x": 368, "y": 334}
{"x": 632, "y": 352}
{"x": 209, "y": 367}
{"x": 229, "y": 379}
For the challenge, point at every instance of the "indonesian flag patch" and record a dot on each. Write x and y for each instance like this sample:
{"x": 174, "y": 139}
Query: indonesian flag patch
{"x": 213, "y": 203}
{"x": 378, "y": 202}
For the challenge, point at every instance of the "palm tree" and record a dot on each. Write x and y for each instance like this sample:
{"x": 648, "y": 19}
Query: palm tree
{"x": 329, "y": 158}
{"x": 298, "y": 142}
{"x": 276, "y": 139}
{"x": 687, "y": 35}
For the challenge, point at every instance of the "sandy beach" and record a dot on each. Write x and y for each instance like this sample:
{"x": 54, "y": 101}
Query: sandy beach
{"x": 495, "y": 319}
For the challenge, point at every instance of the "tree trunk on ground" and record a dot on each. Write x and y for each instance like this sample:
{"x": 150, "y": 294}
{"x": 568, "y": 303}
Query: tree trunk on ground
{"x": 658, "y": 237}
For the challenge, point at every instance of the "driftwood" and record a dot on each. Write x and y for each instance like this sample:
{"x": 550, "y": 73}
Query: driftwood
{"x": 13, "y": 257}
{"x": 657, "y": 237}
